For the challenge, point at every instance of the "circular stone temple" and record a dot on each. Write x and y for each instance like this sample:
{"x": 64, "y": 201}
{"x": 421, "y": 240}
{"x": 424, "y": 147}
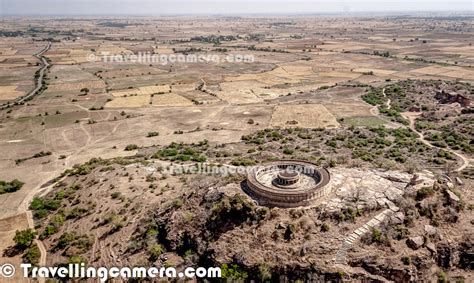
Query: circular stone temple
{"x": 287, "y": 183}
{"x": 287, "y": 178}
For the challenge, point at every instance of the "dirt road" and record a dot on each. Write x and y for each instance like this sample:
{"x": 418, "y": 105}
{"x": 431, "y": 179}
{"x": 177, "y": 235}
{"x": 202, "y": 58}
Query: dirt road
{"x": 39, "y": 79}
{"x": 411, "y": 117}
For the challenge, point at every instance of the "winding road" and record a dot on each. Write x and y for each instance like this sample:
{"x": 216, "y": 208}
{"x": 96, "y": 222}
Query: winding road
{"x": 39, "y": 79}
{"x": 411, "y": 117}
{"x": 349, "y": 241}
{"x": 375, "y": 112}
{"x": 25, "y": 205}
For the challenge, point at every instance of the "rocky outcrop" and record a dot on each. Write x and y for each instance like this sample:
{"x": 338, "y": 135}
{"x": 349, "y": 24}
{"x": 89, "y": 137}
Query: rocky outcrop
{"x": 452, "y": 197}
{"x": 415, "y": 242}
{"x": 431, "y": 230}
{"x": 466, "y": 256}
{"x": 388, "y": 270}
{"x": 371, "y": 189}
{"x": 447, "y": 255}
{"x": 431, "y": 247}
{"x": 448, "y": 98}
{"x": 397, "y": 218}
{"x": 460, "y": 255}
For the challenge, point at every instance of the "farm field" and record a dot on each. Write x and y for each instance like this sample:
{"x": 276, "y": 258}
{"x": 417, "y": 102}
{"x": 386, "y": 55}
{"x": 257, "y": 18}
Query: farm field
{"x": 376, "y": 105}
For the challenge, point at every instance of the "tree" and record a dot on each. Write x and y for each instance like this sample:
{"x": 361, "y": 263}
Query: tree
{"x": 24, "y": 238}
{"x": 9, "y": 187}
{"x": 32, "y": 255}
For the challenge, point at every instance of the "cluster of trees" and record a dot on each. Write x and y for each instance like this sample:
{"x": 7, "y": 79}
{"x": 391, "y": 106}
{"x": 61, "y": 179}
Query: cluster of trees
{"x": 114, "y": 24}
{"x": 215, "y": 39}
{"x": 41, "y": 207}
{"x": 380, "y": 146}
{"x": 36, "y": 155}
{"x": 182, "y": 152}
{"x": 24, "y": 244}
{"x": 10, "y": 187}
{"x": 374, "y": 96}
{"x": 4, "y": 33}
{"x": 266, "y": 49}
{"x": 383, "y": 54}
{"x": 448, "y": 137}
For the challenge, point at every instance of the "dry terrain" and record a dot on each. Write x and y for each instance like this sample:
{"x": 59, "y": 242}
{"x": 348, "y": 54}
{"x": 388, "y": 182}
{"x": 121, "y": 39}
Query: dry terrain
{"x": 359, "y": 95}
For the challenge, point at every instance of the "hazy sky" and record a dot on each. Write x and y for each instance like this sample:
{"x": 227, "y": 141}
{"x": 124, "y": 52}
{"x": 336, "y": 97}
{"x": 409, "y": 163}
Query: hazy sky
{"x": 158, "y": 7}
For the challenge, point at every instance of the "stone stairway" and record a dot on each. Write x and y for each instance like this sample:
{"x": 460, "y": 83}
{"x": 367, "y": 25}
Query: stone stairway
{"x": 361, "y": 231}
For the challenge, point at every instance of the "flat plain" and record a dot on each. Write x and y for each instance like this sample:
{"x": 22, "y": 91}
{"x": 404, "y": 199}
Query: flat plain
{"x": 316, "y": 73}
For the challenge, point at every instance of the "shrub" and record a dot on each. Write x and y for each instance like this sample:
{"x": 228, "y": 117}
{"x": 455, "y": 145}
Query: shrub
{"x": 24, "y": 238}
{"x": 131, "y": 147}
{"x": 180, "y": 152}
{"x": 152, "y": 134}
{"x": 32, "y": 255}
{"x": 57, "y": 220}
{"x": 155, "y": 251}
{"x": 233, "y": 272}
{"x": 39, "y": 204}
{"x": 374, "y": 97}
{"x": 76, "y": 212}
{"x": 442, "y": 277}
{"x": 76, "y": 259}
{"x": 242, "y": 162}
{"x": 265, "y": 273}
{"x": 115, "y": 195}
{"x": 234, "y": 209}
{"x": 49, "y": 230}
{"x": 376, "y": 235}
{"x": 42, "y": 154}
{"x": 9, "y": 187}
{"x": 424, "y": 193}
{"x": 65, "y": 240}
{"x": 325, "y": 227}
{"x": 177, "y": 203}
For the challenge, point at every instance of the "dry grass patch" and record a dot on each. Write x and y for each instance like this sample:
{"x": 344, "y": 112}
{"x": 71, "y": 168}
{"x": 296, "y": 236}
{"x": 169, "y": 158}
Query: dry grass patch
{"x": 184, "y": 87}
{"x": 303, "y": 116}
{"x": 7, "y": 51}
{"x": 170, "y": 99}
{"x": 280, "y": 75}
{"x": 163, "y": 50}
{"x": 9, "y": 92}
{"x": 76, "y": 86}
{"x": 431, "y": 70}
{"x": 129, "y": 102}
{"x": 339, "y": 74}
{"x": 240, "y": 92}
{"x": 144, "y": 90}
{"x": 377, "y": 72}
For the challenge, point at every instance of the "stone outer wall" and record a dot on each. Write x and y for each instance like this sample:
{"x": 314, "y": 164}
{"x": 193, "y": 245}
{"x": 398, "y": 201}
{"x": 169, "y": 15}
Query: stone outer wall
{"x": 279, "y": 197}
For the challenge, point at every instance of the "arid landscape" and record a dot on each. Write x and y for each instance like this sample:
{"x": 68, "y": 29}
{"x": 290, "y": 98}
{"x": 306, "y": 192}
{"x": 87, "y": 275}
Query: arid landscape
{"x": 384, "y": 103}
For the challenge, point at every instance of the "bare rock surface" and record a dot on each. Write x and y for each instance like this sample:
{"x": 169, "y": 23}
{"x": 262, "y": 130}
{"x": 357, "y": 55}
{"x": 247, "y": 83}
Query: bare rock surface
{"x": 415, "y": 242}
{"x": 370, "y": 189}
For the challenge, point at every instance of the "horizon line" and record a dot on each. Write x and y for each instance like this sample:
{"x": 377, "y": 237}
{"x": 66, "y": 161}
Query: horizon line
{"x": 441, "y": 12}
